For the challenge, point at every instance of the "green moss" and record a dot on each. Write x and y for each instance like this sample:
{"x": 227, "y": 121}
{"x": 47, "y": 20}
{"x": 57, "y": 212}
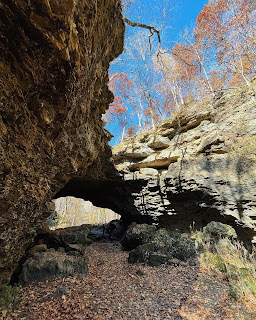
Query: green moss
{"x": 232, "y": 272}
{"x": 165, "y": 248}
{"x": 213, "y": 259}
{"x": 136, "y": 235}
{"x": 234, "y": 291}
{"x": 250, "y": 284}
{"x": 217, "y": 230}
{"x": 140, "y": 272}
{"x": 229, "y": 256}
{"x": 9, "y": 298}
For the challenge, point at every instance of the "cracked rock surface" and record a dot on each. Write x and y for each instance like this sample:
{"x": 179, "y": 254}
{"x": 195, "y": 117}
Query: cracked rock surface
{"x": 53, "y": 77}
{"x": 197, "y": 166}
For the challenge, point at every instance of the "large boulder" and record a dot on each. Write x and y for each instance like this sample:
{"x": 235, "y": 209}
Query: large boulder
{"x": 115, "y": 228}
{"x": 58, "y": 253}
{"x": 137, "y": 234}
{"x": 46, "y": 265}
{"x": 217, "y": 230}
{"x": 66, "y": 236}
{"x": 165, "y": 248}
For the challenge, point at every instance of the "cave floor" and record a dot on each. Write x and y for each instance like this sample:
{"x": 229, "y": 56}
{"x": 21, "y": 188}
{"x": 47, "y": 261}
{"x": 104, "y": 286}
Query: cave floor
{"x": 114, "y": 290}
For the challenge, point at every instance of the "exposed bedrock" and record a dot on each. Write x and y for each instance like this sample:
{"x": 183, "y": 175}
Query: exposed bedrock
{"x": 198, "y": 166}
{"x": 54, "y": 65}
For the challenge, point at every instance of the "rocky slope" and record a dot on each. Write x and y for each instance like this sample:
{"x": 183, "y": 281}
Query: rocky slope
{"x": 55, "y": 57}
{"x": 197, "y": 166}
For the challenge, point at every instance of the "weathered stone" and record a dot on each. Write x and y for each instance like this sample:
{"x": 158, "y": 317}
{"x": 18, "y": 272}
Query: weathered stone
{"x": 208, "y": 141}
{"x": 42, "y": 266}
{"x": 210, "y": 163}
{"x": 163, "y": 248}
{"x": 158, "y": 142}
{"x": 219, "y": 230}
{"x": 54, "y": 61}
{"x": 156, "y": 161}
{"x": 137, "y": 234}
{"x": 115, "y": 228}
{"x": 39, "y": 248}
{"x": 61, "y": 249}
{"x": 124, "y": 152}
{"x": 76, "y": 248}
{"x": 149, "y": 172}
{"x": 166, "y": 132}
{"x": 66, "y": 236}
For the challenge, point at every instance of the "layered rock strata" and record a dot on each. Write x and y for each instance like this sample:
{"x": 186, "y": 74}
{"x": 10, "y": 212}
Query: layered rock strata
{"x": 197, "y": 166}
{"x": 54, "y": 73}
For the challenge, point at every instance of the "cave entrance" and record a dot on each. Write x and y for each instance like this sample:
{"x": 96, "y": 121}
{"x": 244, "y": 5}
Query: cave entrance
{"x": 104, "y": 226}
{"x": 71, "y": 211}
{"x": 112, "y": 193}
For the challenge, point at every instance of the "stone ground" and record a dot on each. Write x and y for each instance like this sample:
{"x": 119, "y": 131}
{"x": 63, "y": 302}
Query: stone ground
{"x": 114, "y": 290}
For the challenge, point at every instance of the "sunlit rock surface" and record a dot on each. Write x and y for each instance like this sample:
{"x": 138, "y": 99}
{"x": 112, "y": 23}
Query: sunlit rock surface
{"x": 197, "y": 166}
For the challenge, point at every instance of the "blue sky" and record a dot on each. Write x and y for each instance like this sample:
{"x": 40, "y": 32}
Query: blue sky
{"x": 180, "y": 14}
{"x": 186, "y": 13}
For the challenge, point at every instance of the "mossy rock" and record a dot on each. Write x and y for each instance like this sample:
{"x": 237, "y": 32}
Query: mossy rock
{"x": 233, "y": 272}
{"x": 66, "y": 236}
{"x": 234, "y": 291}
{"x": 9, "y": 298}
{"x": 213, "y": 259}
{"x": 217, "y": 230}
{"x": 147, "y": 253}
{"x": 163, "y": 248}
{"x": 141, "y": 253}
{"x": 43, "y": 266}
{"x": 137, "y": 234}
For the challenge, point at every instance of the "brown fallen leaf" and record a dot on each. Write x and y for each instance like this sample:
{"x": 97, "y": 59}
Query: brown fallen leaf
{"x": 4, "y": 313}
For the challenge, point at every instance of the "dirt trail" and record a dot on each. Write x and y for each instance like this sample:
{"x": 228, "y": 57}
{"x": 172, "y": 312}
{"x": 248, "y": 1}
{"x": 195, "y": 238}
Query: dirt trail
{"x": 113, "y": 290}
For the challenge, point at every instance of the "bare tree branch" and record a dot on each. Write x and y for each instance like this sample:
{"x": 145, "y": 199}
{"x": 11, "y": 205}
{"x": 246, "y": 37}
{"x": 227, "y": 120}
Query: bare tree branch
{"x": 145, "y": 26}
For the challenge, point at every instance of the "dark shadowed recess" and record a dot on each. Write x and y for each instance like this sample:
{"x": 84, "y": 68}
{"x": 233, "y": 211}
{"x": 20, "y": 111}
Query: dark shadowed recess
{"x": 194, "y": 210}
{"x": 187, "y": 210}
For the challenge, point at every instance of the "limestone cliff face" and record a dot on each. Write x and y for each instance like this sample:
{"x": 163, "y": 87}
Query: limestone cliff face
{"x": 198, "y": 166}
{"x": 54, "y": 72}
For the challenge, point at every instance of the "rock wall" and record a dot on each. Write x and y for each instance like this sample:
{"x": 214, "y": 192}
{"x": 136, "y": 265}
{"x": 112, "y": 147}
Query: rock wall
{"x": 55, "y": 58}
{"x": 197, "y": 166}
